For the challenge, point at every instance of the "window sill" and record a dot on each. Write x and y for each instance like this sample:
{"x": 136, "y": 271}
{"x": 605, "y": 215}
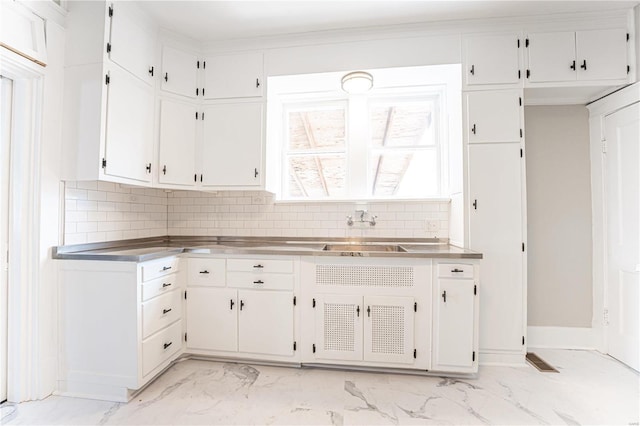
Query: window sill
{"x": 367, "y": 201}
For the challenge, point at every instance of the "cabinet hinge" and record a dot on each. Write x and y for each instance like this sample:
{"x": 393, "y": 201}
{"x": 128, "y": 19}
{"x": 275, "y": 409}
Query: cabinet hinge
{"x": 294, "y": 301}
{"x": 526, "y": 42}
{"x": 520, "y": 152}
{"x": 313, "y": 305}
{"x": 518, "y": 43}
{"x": 203, "y": 91}
{"x": 520, "y": 101}
{"x": 528, "y": 73}
{"x": 473, "y": 356}
{"x": 185, "y": 337}
{"x": 204, "y": 64}
{"x": 198, "y": 64}
{"x": 627, "y": 36}
{"x": 313, "y": 348}
{"x": 522, "y": 246}
{"x": 107, "y": 79}
{"x": 108, "y": 47}
{"x": 197, "y": 91}
{"x": 519, "y": 75}
{"x": 196, "y": 115}
{"x": 628, "y": 69}
{"x": 415, "y": 354}
{"x": 110, "y": 11}
{"x": 523, "y": 340}
{"x": 185, "y": 295}
{"x": 475, "y": 289}
{"x": 415, "y": 306}
{"x": 104, "y": 163}
{"x": 604, "y": 146}
{"x": 294, "y": 346}
{"x": 203, "y": 111}
{"x": 520, "y": 132}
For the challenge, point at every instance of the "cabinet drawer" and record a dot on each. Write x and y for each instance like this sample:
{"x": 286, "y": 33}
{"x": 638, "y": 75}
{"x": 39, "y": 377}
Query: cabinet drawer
{"x": 160, "y": 347}
{"x": 266, "y": 281}
{"x": 162, "y": 285}
{"x": 455, "y": 270}
{"x": 161, "y": 311}
{"x": 159, "y": 268}
{"x": 260, "y": 265}
{"x": 210, "y": 272}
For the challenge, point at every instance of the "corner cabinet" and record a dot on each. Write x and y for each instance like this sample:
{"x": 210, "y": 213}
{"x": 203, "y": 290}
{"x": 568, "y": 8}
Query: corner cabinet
{"x": 121, "y": 325}
{"x": 177, "y": 143}
{"x": 108, "y": 94}
{"x": 237, "y": 75}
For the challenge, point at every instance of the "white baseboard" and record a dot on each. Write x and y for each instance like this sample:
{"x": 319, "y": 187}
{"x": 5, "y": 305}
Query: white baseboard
{"x": 562, "y": 337}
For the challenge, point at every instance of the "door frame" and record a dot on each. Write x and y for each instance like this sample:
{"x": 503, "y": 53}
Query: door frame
{"x": 598, "y": 110}
{"x": 24, "y": 352}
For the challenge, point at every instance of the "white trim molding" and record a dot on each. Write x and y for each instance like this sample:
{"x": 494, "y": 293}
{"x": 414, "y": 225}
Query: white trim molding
{"x": 562, "y": 337}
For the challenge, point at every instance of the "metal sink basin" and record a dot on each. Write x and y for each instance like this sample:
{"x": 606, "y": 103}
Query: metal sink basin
{"x": 365, "y": 247}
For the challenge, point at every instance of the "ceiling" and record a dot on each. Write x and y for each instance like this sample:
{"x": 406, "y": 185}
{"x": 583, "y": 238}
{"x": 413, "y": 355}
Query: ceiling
{"x": 223, "y": 20}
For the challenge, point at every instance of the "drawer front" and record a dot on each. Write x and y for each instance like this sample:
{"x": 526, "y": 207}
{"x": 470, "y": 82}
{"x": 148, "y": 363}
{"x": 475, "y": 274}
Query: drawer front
{"x": 162, "y": 285}
{"x": 260, "y": 265}
{"x": 207, "y": 272}
{"x": 266, "y": 281}
{"x": 161, "y": 311}
{"x": 160, "y": 347}
{"x": 455, "y": 270}
{"x": 159, "y": 268}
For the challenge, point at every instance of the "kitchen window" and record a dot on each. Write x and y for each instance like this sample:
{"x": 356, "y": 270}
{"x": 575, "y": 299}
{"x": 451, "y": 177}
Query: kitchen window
{"x": 389, "y": 143}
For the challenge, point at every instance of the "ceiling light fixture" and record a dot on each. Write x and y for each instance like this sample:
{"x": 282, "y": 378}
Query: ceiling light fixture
{"x": 357, "y": 82}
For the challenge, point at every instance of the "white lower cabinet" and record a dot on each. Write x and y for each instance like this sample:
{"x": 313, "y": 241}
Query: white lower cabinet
{"x": 265, "y": 322}
{"x": 338, "y": 327}
{"x": 212, "y": 319}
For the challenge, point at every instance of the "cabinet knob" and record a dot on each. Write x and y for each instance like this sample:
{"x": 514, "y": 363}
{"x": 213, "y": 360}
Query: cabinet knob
{"x": 473, "y": 129}
{"x": 475, "y": 204}
{"x": 358, "y": 310}
{"x": 444, "y": 296}
{"x": 473, "y": 70}
{"x": 165, "y": 285}
{"x": 255, "y": 173}
{"x": 258, "y": 282}
{"x": 166, "y": 76}
{"x": 573, "y": 65}
{"x": 258, "y": 266}
{"x": 231, "y": 303}
{"x": 148, "y": 167}
{"x": 584, "y": 65}
{"x": 164, "y": 170}
{"x": 166, "y": 311}
{"x": 457, "y": 270}
{"x": 241, "y": 304}
{"x": 257, "y": 83}
{"x": 166, "y": 345}
{"x": 204, "y": 272}
{"x": 151, "y": 71}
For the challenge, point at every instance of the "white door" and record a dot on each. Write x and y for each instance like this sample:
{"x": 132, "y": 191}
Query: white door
{"x": 131, "y": 46}
{"x": 265, "y": 322}
{"x": 491, "y": 59}
{"x": 623, "y": 234}
{"x": 601, "y": 54}
{"x": 212, "y": 319}
{"x": 177, "y": 143}
{"x": 234, "y": 76}
{"x": 179, "y": 72}
{"x": 6, "y": 104}
{"x": 493, "y": 116}
{"x": 389, "y": 329}
{"x": 453, "y": 325}
{"x": 338, "y": 327}
{"x": 495, "y": 230}
{"x": 129, "y": 132}
{"x": 552, "y": 56}
{"x": 232, "y": 147}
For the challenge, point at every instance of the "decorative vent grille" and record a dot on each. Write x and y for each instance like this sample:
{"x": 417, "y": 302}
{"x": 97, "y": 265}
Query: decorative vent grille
{"x": 387, "y": 329}
{"x": 339, "y": 327}
{"x": 364, "y": 276}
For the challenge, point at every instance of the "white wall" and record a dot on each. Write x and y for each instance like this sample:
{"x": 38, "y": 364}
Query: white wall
{"x": 559, "y": 216}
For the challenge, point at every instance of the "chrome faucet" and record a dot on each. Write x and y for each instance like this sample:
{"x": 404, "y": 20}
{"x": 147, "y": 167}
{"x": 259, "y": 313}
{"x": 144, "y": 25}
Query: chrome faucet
{"x": 363, "y": 215}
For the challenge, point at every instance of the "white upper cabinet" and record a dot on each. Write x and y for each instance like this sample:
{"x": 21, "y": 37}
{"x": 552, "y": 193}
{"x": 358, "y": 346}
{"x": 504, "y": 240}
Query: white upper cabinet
{"x": 179, "y": 72}
{"x": 129, "y": 127}
{"x": 569, "y": 56}
{"x": 131, "y": 45}
{"x": 177, "y": 149}
{"x": 234, "y": 76}
{"x": 493, "y": 116}
{"x": 232, "y": 145}
{"x": 491, "y": 59}
{"x": 601, "y": 54}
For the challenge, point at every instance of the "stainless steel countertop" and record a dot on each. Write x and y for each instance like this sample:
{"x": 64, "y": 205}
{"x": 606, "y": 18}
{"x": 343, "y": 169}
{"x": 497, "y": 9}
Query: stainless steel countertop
{"x": 141, "y": 250}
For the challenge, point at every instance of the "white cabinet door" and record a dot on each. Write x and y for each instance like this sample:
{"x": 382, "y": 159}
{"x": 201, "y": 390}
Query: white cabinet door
{"x": 601, "y": 54}
{"x": 388, "y": 329}
{"x": 265, "y": 322}
{"x": 493, "y": 116}
{"x": 338, "y": 327}
{"x": 232, "y": 152}
{"x": 212, "y": 319}
{"x": 491, "y": 59}
{"x": 234, "y": 76}
{"x": 496, "y": 230}
{"x": 179, "y": 72}
{"x": 453, "y": 326}
{"x": 177, "y": 143}
{"x": 129, "y": 130}
{"x": 131, "y": 46}
{"x": 552, "y": 56}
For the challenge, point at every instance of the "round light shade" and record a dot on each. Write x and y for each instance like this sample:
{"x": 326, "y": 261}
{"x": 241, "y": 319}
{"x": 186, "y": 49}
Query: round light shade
{"x": 357, "y": 82}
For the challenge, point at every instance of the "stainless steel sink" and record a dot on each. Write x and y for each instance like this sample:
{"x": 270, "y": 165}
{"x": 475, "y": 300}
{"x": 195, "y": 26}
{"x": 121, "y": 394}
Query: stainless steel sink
{"x": 365, "y": 247}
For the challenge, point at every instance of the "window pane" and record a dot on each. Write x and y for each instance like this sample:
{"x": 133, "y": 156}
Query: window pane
{"x": 317, "y": 129}
{"x": 317, "y": 176}
{"x": 404, "y": 173}
{"x": 402, "y": 124}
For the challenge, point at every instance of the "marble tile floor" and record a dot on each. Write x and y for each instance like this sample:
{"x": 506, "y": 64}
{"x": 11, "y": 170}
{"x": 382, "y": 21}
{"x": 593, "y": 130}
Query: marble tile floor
{"x": 591, "y": 388}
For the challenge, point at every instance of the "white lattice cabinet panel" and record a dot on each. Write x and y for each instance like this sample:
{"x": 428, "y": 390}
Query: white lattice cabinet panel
{"x": 212, "y": 319}
{"x": 338, "y": 327}
{"x": 265, "y": 322}
{"x": 370, "y": 276}
{"x": 389, "y": 329}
